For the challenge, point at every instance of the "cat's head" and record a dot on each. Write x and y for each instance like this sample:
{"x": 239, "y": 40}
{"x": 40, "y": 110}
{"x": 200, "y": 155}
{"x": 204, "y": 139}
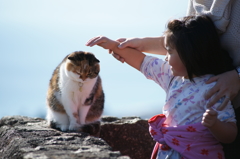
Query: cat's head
{"x": 82, "y": 66}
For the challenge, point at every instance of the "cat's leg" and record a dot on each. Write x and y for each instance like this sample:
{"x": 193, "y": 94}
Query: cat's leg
{"x": 72, "y": 112}
{"x": 73, "y": 117}
{"x": 60, "y": 120}
{"x": 90, "y": 125}
{"x": 83, "y": 111}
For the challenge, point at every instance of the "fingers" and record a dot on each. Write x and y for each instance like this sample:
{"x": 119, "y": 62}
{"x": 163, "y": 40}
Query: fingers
{"x": 224, "y": 104}
{"x": 121, "y": 40}
{"x": 220, "y": 96}
{"x": 227, "y": 85}
{"x": 119, "y": 58}
{"x": 91, "y": 41}
{"x": 116, "y": 56}
{"x": 215, "y": 98}
{"x": 212, "y": 79}
{"x": 214, "y": 93}
{"x": 209, "y": 118}
{"x": 211, "y": 112}
{"x": 124, "y": 44}
{"x": 95, "y": 41}
{"x": 213, "y": 90}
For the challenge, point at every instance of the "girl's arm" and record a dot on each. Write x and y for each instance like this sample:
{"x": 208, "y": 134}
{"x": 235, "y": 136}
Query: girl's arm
{"x": 225, "y": 132}
{"x": 132, "y": 56}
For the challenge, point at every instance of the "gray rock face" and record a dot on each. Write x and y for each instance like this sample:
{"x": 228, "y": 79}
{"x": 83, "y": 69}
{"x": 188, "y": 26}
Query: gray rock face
{"x": 31, "y": 138}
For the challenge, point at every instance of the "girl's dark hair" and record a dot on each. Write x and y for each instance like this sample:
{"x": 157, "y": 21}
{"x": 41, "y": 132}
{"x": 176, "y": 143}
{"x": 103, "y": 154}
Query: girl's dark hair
{"x": 197, "y": 42}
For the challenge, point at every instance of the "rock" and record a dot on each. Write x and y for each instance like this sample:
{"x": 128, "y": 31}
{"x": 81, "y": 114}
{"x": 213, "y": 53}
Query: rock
{"x": 31, "y": 138}
{"x": 129, "y": 135}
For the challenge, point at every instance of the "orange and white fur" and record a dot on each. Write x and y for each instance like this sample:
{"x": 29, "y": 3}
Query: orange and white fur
{"x": 75, "y": 97}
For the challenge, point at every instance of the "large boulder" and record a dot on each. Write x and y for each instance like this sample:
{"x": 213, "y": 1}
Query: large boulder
{"x": 129, "y": 135}
{"x": 31, "y": 138}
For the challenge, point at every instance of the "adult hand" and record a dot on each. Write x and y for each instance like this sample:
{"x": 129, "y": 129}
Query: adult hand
{"x": 209, "y": 118}
{"x": 134, "y": 43}
{"x": 228, "y": 85}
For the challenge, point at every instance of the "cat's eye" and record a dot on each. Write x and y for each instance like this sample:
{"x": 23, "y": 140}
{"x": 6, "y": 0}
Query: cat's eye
{"x": 90, "y": 74}
{"x": 77, "y": 72}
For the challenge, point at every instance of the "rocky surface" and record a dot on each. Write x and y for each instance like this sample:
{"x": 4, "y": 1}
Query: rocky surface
{"x": 31, "y": 138}
{"x": 129, "y": 135}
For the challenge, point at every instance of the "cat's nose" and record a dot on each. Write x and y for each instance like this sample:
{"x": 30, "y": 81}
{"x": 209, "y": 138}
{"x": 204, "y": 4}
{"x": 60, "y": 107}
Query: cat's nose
{"x": 83, "y": 78}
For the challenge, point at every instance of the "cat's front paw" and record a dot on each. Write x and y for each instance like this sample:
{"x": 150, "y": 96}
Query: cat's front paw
{"x": 74, "y": 127}
{"x": 64, "y": 127}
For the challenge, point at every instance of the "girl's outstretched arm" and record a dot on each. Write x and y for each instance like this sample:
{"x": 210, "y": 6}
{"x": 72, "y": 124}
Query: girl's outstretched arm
{"x": 132, "y": 56}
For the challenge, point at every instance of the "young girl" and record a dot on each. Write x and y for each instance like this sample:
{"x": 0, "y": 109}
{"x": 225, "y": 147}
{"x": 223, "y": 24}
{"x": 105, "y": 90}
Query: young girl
{"x": 187, "y": 128}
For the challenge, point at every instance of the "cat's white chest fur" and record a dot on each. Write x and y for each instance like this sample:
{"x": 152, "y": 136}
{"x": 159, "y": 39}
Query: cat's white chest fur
{"x": 80, "y": 91}
{"x": 73, "y": 88}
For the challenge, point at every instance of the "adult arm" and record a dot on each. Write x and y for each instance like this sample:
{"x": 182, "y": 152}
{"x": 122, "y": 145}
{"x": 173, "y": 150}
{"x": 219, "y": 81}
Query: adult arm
{"x": 153, "y": 45}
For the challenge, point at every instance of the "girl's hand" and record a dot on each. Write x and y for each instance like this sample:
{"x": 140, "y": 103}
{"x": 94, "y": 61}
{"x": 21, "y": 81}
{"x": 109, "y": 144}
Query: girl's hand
{"x": 209, "y": 118}
{"x": 224, "y": 132}
{"x": 102, "y": 41}
{"x": 228, "y": 85}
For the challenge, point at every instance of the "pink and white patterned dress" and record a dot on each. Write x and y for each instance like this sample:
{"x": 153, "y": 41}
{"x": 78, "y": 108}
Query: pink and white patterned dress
{"x": 185, "y": 103}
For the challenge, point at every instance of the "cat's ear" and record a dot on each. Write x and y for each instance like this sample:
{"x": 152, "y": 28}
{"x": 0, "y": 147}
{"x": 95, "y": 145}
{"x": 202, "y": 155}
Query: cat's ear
{"x": 71, "y": 58}
{"x": 96, "y": 60}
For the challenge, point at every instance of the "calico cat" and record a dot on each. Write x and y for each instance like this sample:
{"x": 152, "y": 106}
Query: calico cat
{"x": 75, "y": 97}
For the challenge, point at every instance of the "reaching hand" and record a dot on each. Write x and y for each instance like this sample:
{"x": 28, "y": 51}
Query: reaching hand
{"x": 102, "y": 41}
{"x": 135, "y": 43}
{"x": 209, "y": 118}
{"x": 227, "y": 86}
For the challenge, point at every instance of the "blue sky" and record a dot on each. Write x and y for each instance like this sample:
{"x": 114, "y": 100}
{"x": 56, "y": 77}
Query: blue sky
{"x": 36, "y": 35}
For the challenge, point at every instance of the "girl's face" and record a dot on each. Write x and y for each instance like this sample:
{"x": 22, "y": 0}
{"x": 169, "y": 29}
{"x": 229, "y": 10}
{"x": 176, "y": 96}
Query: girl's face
{"x": 172, "y": 57}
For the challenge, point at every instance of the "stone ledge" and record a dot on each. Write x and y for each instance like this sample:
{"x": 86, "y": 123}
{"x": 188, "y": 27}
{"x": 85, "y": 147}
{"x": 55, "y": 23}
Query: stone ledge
{"x": 31, "y": 138}
{"x": 129, "y": 135}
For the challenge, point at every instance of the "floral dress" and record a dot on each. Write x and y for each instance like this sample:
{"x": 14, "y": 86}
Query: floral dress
{"x": 185, "y": 103}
